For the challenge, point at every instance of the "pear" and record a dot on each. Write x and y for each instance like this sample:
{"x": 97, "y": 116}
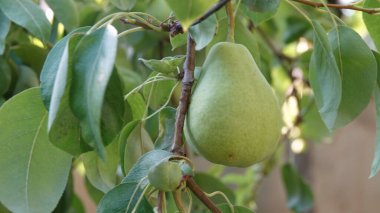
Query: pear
{"x": 234, "y": 118}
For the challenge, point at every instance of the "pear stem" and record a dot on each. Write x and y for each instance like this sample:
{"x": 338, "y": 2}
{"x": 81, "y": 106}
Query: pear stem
{"x": 231, "y": 21}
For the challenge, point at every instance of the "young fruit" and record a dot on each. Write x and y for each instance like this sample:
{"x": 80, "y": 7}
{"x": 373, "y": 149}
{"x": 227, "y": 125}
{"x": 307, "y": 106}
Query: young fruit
{"x": 234, "y": 118}
{"x": 165, "y": 176}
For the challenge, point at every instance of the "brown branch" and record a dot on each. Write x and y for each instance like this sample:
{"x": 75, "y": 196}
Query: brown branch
{"x": 339, "y": 6}
{"x": 202, "y": 196}
{"x": 160, "y": 202}
{"x": 211, "y": 11}
{"x": 187, "y": 83}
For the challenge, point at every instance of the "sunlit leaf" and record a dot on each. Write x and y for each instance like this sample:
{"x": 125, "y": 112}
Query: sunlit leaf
{"x": 34, "y": 172}
{"x": 93, "y": 64}
{"x": 69, "y": 19}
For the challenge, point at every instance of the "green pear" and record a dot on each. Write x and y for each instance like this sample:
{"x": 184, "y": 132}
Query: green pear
{"x": 165, "y": 176}
{"x": 234, "y": 118}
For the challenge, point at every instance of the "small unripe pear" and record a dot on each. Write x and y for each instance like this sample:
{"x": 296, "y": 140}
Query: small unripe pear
{"x": 234, "y": 118}
{"x": 165, "y": 176}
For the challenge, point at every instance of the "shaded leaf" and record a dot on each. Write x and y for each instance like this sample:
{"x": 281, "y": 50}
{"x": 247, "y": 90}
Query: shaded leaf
{"x": 27, "y": 79}
{"x": 102, "y": 173}
{"x": 28, "y": 15}
{"x": 25, "y": 154}
{"x": 324, "y": 77}
{"x": 92, "y": 67}
{"x": 204, "y": 32}
{"x": 299, "y": 195}
{"x": 178, "y": 40}
{"x": 124, "y": 4}
{"x": 120, "y": 198}
{"x": 156, "y": 94}
{"x": 134, "y": 142}
{"x": 5, "y": 76}
{"x": 372, "y": 22}
{"x": 262, "y": 5}
{"x": 5, "y": 25}
{"x": 31, "y": 55}
{"x": 358, "y": 71}
{"x": 60, "y": 8}
{"x": 137, "y": 105}
{"x": 211, "y": 184}
{"x": 167, "y": 126}
{"x": 376, "y": 160}
{"x": 187, "y": 11}
{"x": 145, "y": 162}
{"x": 225, "y": 208}
{"x": 167, "y": 65}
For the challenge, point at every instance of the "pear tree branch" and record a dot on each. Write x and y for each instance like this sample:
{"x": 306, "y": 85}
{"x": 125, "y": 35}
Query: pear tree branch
{"x": 340, "y": 6}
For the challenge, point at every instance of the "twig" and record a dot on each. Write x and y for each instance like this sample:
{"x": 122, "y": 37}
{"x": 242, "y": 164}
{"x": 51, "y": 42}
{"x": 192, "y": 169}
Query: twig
{"x": 211, "y": 11}
{"x": 187, "y": 83}
{"x": 160, "y": 202}
{"x": 340, "y": 6}
{"x": 202, "y": 196}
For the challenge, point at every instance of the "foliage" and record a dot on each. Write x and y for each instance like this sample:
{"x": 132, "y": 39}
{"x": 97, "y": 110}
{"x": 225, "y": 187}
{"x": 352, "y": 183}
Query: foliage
{"x": 96, "y": 83}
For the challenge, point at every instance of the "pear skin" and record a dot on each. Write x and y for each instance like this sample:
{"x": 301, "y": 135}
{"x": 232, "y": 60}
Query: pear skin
{"x": 234, "y": 118}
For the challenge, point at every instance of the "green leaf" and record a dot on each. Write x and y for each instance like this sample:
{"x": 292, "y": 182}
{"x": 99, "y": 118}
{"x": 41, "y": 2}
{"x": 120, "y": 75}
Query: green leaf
{"x": 5, "y": 76}
{"x": 358, "y": 71}
{"x": 225, "y": 208}
{"x": 5, "y": 25}
{"x": 134, "y": 142}
{"x": 168, "y": 65}
{"x": 262, "y": 5}
{"x": 204, "y": 32}
{"x": 28, "y": 15}
{"x": 113, "y": 109}
{"x": 178, "y": 40}
{"x": 372, "y": 22}
{"x": 324, "y": 77}
{"x": 60, "y": 8}
{"x": 34, "y": 173}
{"x": 376, "y": 160}
{"x": 31, "y": 55}
{"x": 299, "y": 195}
{"x": 63, "y": 126}
{"x": 211, "y": 184}
{"x": 377, "y": 57}
{"x": 141, "y": 168}
{"x": 187, "y": 11}
{"x": 120, "y": 198}
{"x": 93, "y": 63}
{"x": 124, "y": 4}
{"x": 102, "y": 174}
{"x": 166, "y": 129}
{"x": 156, "y": 94}
{"x": 137, "y": 105}
{"x": 54, "y": 73}
{"x": 256, "y": 17}
{"x": 27, "y": 79}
